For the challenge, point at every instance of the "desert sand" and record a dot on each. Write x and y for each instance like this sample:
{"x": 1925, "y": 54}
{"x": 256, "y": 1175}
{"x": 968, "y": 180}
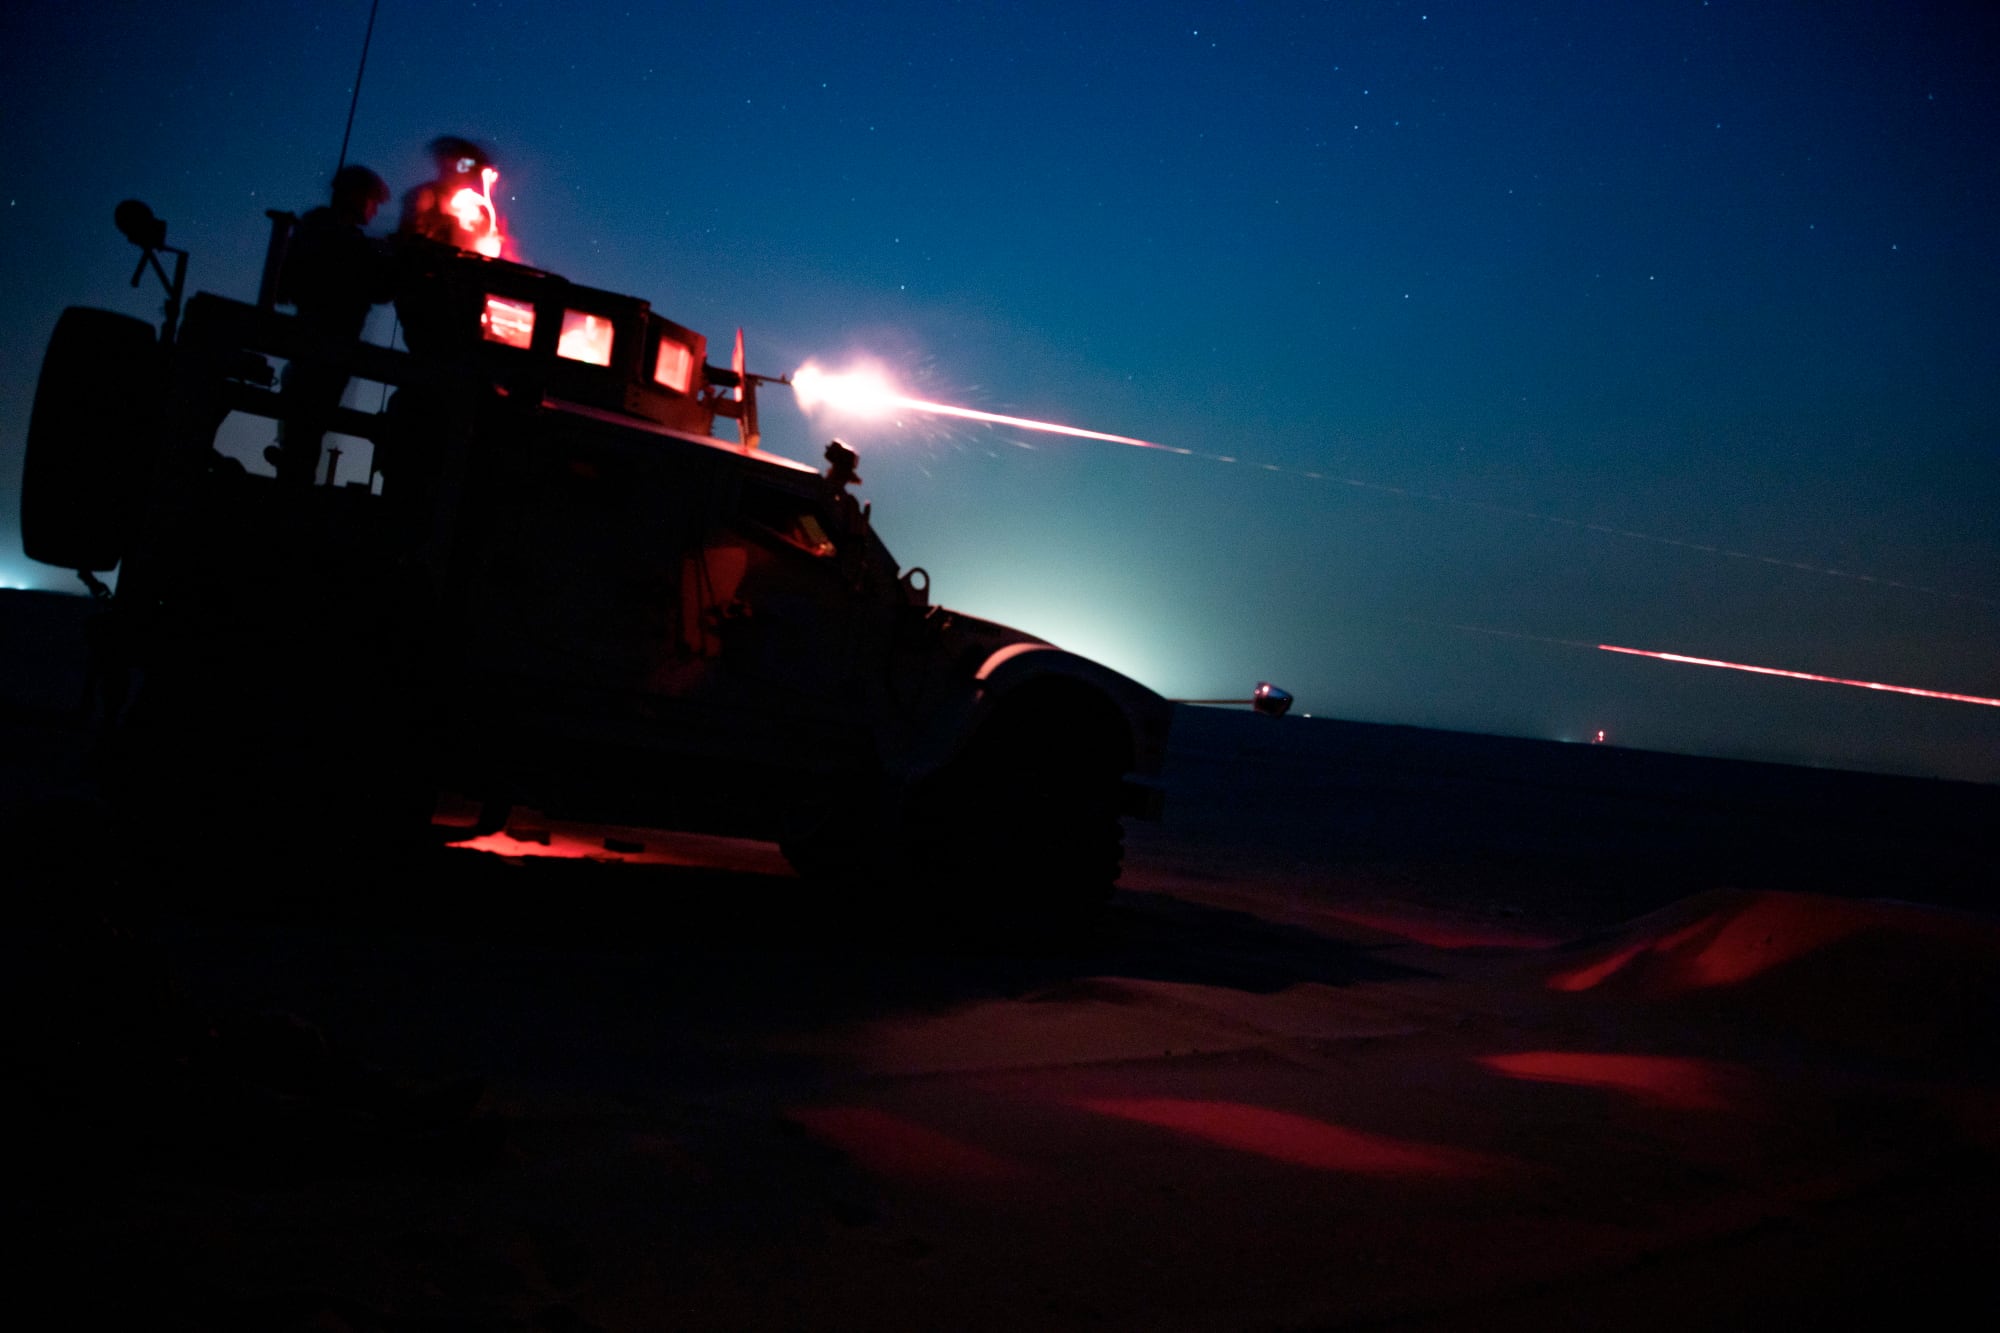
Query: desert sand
{"x": 1384, "y": 1029}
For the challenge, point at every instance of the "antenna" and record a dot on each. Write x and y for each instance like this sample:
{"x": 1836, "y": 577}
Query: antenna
{"x": 366, "y": 38}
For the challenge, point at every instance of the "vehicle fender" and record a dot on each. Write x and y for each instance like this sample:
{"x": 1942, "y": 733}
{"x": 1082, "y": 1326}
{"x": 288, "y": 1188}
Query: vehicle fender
{"x": 1017, "y": 673}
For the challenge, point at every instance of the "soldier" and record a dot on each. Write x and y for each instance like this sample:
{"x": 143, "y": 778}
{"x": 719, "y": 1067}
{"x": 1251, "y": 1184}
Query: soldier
{"x": 334, "y": 274}
{"x": 450, "y": 213}
{"x": 440, "y": 210}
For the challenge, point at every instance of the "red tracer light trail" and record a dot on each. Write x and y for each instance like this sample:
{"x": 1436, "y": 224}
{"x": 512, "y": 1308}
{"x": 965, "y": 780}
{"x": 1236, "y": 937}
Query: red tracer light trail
{"x": 1804, "y": 675}
{"x": 869, "y": 393}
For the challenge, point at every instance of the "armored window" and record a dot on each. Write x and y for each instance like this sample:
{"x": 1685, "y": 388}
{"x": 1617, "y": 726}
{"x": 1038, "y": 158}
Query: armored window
{"x": 508, "y": 322}
{"x": 585, "y": 337}
{"x": 673, "y": 367}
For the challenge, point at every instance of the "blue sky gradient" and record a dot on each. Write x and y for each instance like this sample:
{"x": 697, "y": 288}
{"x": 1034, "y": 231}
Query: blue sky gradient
{"x": 1722, "y": 275}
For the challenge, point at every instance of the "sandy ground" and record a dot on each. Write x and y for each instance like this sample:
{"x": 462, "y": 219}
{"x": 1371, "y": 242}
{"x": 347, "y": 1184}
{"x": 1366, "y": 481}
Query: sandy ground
{"x": 1425, "y": 1038}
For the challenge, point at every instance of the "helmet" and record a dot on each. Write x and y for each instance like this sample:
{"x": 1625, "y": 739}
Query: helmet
{"x": 458, "y": 155}
{"x": 358, "y": 182}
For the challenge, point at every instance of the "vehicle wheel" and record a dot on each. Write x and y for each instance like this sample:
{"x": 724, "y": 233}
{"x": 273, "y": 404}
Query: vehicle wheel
{"x": 847, "y": 838}
{"x": 96, "y": 405}
{"x": 1025, "y": 822}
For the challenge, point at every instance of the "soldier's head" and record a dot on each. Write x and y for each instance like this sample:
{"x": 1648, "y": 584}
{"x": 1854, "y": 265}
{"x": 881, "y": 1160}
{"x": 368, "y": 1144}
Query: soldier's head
{"x": 358, "y": 193}
{"x": 458, "y": 157}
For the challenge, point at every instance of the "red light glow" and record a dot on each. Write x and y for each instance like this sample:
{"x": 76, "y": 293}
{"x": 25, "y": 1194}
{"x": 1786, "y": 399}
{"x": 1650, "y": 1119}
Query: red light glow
{"x": 1730, "y": 945}
{"x": 511, "y": 323}
{"x": 1664, "y": 1080}
{"x": 1770, "y": 931}
{"x": 1804, "y": 675}
{"x": 1587, "y": 978}
{"x": 867, "y": 392}
{"x": 1443, "y": 932}
{"x": 469, "y": 207}
{"x": 900, "y": 1149}
{"x": 1294, "y": 1139}
{"x": 642, "y": 848}
{"x": 585, "y": 337}
{"x": 476, "y": 214}
{"x": 673, "y": 365}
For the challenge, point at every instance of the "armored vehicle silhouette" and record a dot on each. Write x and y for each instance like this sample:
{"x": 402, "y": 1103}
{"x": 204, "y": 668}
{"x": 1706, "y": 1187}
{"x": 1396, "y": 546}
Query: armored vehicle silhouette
{"x": 558, "y": 588}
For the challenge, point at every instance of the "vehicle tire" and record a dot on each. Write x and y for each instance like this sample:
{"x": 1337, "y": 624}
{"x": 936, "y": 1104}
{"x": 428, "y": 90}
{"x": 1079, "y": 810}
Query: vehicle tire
{"x": 96, "y": 406}
{"x": 846, "y": 838}
{"x": 1024, "y": 824}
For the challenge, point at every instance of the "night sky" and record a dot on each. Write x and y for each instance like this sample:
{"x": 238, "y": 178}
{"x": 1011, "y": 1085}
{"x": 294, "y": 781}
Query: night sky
{"x": 1506, "y": 310}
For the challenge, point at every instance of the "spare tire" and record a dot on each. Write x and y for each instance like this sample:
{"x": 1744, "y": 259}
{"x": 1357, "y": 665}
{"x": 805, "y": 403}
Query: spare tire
{"x": 96, "y": 408}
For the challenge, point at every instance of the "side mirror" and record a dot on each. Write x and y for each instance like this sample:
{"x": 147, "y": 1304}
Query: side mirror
{"x": 1270, "y": 700}
{"x": 139, "y": 226}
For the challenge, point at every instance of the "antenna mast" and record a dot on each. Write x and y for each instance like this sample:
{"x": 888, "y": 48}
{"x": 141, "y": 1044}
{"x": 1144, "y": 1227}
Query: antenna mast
{"x": 366, "y": 38}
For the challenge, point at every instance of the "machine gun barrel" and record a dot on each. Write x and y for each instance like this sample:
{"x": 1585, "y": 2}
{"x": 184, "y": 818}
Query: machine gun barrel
{"x": 730, "y": 379}
{"x": 744, "y": 409}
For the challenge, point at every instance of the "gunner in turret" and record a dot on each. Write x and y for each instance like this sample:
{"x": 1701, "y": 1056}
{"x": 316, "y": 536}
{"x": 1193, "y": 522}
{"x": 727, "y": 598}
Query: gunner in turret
{"x": 334, "y": 274}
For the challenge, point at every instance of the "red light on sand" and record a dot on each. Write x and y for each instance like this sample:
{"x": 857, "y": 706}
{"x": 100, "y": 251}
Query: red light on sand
{"x": 585, "y": 337}
{"x": 901, "y": 1149}
{"x": 1804, "y": 675}
{"x": 1294, "y": 1139}
{"x": 1770, "y": 930}
{"x": 509, "y": 322}
{"x": 1665, "y": 1080}
{"x": 1442, "y": 932}
{"x": 1585, "y": 978}
{"x": 1730, "y": 945}
{"x": 1588, "y": 978}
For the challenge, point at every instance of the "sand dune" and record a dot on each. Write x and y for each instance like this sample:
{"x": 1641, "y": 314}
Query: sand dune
{"x": 1416, "y": 1033}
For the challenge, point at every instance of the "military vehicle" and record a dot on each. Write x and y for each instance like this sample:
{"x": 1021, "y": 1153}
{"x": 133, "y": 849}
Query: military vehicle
{"x": 557, "y": 588}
